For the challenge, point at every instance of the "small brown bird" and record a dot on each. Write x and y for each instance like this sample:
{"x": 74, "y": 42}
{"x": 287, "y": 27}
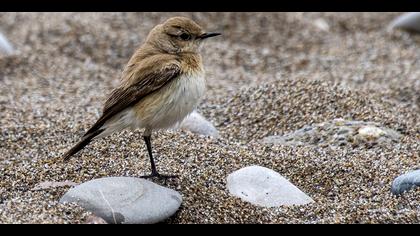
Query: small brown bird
{"x": 161, "y": 84}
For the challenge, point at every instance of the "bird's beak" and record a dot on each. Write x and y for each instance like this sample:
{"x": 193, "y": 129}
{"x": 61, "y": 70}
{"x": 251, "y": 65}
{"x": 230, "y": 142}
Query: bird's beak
{"x": 208, "y": 35}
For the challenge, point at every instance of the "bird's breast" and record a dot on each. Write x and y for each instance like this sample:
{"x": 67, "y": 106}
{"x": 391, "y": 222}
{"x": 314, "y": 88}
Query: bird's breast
{"x": 172, "y": 103}
{"x": 184, "y": 94}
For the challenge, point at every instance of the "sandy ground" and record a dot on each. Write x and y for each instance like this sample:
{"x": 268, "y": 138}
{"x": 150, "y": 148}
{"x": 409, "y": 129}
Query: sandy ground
{"x": 270, "y": 73}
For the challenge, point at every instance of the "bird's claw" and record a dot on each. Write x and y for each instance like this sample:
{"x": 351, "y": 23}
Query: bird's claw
{"x": 159, "y": 176}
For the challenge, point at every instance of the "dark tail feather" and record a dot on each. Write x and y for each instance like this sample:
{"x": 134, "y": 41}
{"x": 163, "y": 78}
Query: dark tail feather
{"x": 86, "y": 139}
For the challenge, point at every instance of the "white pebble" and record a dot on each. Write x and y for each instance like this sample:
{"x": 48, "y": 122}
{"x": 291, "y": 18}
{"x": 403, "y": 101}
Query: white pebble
{"x": 371, "y": 131}
{"x": 5, "y": 46}
{"x": 264, "y": 187}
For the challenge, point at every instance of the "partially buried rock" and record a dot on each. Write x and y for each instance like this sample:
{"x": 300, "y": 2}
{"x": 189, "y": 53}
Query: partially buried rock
{"x": 95, "y": 220}
{"x": 5, "y": 47}
{"x": 339, "y": 132}
{"x": 406, "y": 182}
{"x": 264, "y": 187}
{"x": 408, "y": 21}
{"x": 196, "y": 123}
{"x": 125, "y": 200}
{"x": 321, "y": 24}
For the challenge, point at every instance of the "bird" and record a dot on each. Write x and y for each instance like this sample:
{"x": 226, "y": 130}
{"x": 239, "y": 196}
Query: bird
{"x": 162, "y": 83}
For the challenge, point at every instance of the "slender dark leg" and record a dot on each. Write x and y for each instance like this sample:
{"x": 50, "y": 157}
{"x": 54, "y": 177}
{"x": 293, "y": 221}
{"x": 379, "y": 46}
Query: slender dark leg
{"x": 152, "y": 162}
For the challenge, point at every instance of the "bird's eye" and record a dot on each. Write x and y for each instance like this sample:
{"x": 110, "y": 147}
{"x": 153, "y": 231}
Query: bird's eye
{"x": 185, "y": 36}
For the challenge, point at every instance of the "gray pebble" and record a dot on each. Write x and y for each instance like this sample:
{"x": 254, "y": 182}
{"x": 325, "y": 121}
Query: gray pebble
{"x": 406, "y": 182}
{"x": 408, "y": 21}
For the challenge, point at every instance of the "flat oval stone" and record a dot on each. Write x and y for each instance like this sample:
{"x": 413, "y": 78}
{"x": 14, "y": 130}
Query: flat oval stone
{"x": 406, "y": 182}
{"x": 126, "y": 200}
{"x": 264, "y": 187}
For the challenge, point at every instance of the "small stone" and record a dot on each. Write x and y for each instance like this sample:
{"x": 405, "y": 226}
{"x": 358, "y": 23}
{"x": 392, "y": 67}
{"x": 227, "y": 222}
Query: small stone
{"x": 408, "y": 21}
{"x": 125, "y": 200}
{"x": 95, "y": 220}
{"x": 406, "y": 182}
{"x": 5, "y": 47}
{"x": 371, "y": 132}
{"x": 196, "y": 123}
{"x": 264, "y": 187}
{"x": 322, "y": 24}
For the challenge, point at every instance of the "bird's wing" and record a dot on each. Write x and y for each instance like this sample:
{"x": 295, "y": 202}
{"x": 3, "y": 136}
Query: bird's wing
{"x": 144, "y": 81}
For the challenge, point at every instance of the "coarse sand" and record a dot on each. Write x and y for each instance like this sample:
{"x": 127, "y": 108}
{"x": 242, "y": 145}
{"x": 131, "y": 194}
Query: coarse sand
{"x": 270, "y": 74}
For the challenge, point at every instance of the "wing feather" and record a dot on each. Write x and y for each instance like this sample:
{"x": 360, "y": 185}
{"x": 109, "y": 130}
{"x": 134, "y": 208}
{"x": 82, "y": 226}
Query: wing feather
{"x": 127, "y": 96}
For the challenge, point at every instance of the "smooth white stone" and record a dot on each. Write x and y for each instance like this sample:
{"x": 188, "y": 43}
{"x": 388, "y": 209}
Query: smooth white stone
{"x": 371, "y": 131}
{"x": 5, "y": 46}
{"x": 264, "y": 187}
{"x": 322, "y": 24}
{"x": 196, "y": 123}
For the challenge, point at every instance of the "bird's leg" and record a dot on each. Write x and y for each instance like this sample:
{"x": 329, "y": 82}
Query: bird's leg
{"x": 149, "y": 150}
{"x": 155, "y": 173}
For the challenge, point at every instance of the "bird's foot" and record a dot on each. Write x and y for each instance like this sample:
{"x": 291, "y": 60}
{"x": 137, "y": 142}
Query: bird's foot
{"x": 158, "y": 176}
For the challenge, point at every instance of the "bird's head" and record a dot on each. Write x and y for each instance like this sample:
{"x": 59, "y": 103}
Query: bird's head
{"x": 178, "y": 35}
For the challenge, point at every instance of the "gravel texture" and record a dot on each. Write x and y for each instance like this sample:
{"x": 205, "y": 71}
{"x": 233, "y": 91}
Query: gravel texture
{"x": 270, "y": 74}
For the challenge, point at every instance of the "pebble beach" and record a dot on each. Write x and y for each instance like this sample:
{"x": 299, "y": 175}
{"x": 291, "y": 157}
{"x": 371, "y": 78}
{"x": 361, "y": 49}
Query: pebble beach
{"x": 299, "y": 76}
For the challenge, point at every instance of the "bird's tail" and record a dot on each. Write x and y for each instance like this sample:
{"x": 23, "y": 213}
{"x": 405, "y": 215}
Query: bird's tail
{"x": 86, "y": 139}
